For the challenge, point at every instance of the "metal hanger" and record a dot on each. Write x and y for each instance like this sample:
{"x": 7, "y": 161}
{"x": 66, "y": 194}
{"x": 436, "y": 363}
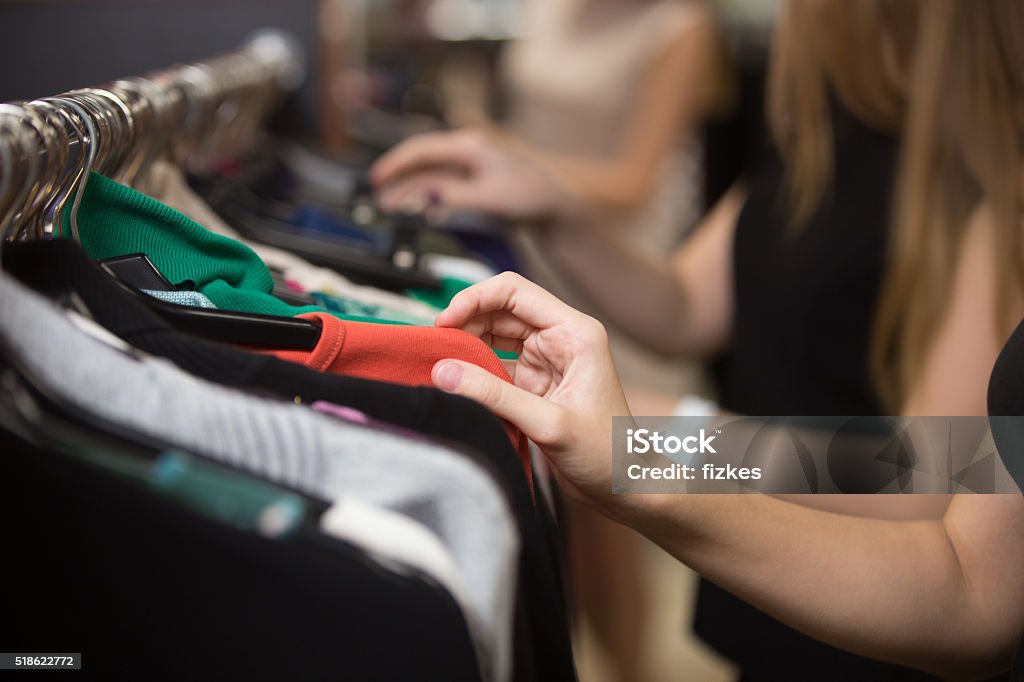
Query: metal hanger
{"x": 25, "y": 150}
{"x": 88, "y": 143}
{"x": 54, "y": 152}
{"x": 150, "y": 111}
{"x": 12, "y": 172}
{"x": 123, "y": 132}
{"x": 70, "y": 150}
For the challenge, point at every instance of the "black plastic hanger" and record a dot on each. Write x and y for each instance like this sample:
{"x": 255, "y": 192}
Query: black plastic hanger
{"x": 136, "y": 271}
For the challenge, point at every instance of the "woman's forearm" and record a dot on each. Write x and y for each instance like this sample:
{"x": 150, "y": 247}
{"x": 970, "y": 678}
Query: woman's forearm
{"x": 612, "y": 185}
{"x": 916, "y": 507}
{"x": 909, "y": 592}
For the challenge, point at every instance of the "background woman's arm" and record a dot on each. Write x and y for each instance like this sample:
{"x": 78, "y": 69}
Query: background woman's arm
{"x": 677, "y": 306}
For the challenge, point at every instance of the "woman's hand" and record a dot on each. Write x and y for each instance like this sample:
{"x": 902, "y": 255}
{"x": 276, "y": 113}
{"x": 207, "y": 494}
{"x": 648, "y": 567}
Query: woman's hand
{"x": 565, "y": 390}
{"x": 470, "y": 170}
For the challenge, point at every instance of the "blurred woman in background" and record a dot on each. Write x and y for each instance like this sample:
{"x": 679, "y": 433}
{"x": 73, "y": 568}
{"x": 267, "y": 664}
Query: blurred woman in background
{"x": 612, "y": 94}
{"x": 795, "y": 273}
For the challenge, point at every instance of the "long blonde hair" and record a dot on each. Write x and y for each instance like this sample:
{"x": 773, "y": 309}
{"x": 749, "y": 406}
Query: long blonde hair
{"x": 963, "y": 146}
{"x": 949, "y": 76}
{"x": 859, "y": 50}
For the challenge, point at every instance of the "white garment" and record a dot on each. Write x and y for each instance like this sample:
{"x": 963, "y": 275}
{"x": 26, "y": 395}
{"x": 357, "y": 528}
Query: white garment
{"x": 466, "y": 269}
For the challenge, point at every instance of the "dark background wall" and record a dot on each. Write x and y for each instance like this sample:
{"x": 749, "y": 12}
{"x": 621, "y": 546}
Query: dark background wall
{"x": 50, "y": 46}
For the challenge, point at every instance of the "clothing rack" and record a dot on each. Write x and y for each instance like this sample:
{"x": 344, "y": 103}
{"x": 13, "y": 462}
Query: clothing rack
{"x": 335, "y": 511}
{"x": 193, "y": 114}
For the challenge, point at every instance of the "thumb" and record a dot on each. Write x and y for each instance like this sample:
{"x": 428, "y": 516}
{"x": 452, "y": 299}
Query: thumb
{"x": 538, "y": 418}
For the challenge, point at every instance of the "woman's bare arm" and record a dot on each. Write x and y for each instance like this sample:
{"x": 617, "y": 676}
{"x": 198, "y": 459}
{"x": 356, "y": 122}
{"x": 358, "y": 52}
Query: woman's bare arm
{"x": 935, "y": 594}
{"x": 676, "y": 306}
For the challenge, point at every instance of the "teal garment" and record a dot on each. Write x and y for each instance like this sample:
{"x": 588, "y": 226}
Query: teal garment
{"x": 348, "y": 306}
{"x": 232, "y": 498}
{"x": 192, "y": 299}
{"x": 338, "y": 304}
{"x": 114, "y": 220}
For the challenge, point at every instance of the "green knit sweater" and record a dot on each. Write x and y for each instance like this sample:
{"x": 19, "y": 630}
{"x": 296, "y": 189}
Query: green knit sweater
{"x": 114, "y": 220}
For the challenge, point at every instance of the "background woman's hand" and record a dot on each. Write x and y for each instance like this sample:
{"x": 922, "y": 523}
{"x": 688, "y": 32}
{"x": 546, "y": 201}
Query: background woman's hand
{"x": 471, "y": 170}
{"x": 565, "y": 390}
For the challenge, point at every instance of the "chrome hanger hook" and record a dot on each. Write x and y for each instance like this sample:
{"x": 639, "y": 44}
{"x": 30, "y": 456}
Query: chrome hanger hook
{"x": 90, "y": 157}
{"x": 49, "y": 217}
{"x": 14, "y": 118}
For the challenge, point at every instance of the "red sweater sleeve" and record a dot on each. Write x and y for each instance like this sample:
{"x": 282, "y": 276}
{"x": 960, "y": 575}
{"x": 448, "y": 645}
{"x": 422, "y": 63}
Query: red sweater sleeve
{"x": 398, "y": 354}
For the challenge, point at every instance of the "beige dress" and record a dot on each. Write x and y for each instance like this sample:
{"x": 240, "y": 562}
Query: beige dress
{"x": 572, "y": 83}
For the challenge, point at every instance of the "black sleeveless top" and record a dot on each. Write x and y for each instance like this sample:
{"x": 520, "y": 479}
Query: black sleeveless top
{"x": 805, "y": 299}
{"x": 1006, "y": 398}
{"x": 804, "y": 308}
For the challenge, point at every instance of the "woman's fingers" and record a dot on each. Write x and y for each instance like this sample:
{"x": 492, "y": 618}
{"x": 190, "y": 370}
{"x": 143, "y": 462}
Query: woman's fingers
{"x": 422, "y": 151}
{"x": 407, "y": 194}
{"x": 498, "y": 326}
{"x": 503, "y": 343}
{"x": 541, "y": 420}
{"x": 510, "y": 293}
{"x": 420, "y": 191}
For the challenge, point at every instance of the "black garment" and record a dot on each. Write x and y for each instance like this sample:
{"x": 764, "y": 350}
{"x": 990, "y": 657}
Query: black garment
{"x": 1006, "y": 398}
{"x": 805, "y": 298}
{"x": 804, "y": 308}
{"x": 146, "y": 589}
{"x": 1006, "y": 385}
{"x": 61, "y": 268}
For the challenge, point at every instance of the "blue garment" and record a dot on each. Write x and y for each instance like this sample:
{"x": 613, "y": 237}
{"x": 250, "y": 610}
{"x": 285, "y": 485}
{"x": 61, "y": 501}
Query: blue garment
{"x": 322, "y": 221}
{"x": 494, "y": 250}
